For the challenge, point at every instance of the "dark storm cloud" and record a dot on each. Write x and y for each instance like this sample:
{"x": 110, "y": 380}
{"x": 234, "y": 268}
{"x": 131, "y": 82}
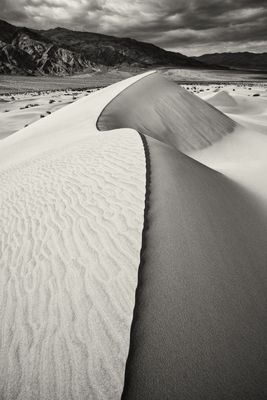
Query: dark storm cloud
{"x": 190, "y": 26}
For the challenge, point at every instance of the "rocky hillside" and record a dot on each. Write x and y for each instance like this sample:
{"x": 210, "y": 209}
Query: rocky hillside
{"x": 114, "y": 51}
{"x": 24, "y": 51}
{"x": 14, "y": 60}
{"x": 61, "y": 52}
{"x": 243, "y": 60}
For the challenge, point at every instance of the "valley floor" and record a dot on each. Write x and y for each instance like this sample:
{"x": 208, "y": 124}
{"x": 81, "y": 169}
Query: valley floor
{"x": 21, "y": 84}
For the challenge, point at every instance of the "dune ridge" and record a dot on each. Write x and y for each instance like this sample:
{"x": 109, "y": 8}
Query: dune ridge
{"x": 69, "y": 124}
{"x": 161, "y": 109}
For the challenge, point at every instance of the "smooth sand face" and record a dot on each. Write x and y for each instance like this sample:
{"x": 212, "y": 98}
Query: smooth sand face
{"x": 72, "y": 205}
{"x": 241, "y": 155}
{"x": 165, "y": 111}
{"x": 222, "y": 99}
{"x": 199, "y": 330}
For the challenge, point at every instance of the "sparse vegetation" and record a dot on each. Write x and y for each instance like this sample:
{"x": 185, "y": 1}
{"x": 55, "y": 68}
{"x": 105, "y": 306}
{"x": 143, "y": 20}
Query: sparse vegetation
{"x": 29, "y": 106}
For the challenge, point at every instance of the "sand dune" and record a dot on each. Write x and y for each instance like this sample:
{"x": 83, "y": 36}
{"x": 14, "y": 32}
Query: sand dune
{"x": 71, "y": 216}
{"x": 222, "y": 99}
{"x": 67, "y": 125}
{"x": 238, "y": 104}
{"x": 161, "y": 109}
{"x": 72, "y": 212}
{"x": 199, "y": 328}
{"x": 242, "y": 155}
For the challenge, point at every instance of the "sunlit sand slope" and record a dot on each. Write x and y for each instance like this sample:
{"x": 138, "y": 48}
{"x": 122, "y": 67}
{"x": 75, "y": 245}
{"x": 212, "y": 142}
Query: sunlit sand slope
{"x": 67, "y": 125}
{"x": 71, "y": 216}
{"x": 165, "y": 111}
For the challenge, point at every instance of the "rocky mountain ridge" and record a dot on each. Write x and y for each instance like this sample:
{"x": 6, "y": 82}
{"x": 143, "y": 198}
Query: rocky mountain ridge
{"x": 61, "y": 51}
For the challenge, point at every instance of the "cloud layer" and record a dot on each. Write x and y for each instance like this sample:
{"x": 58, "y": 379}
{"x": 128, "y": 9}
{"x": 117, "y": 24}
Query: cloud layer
{"x": 190, "y": 26}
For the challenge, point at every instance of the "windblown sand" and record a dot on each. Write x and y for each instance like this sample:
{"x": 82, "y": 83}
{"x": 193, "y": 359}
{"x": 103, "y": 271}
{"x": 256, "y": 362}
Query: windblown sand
{"x": 71, "y": 235}
{"x": 72, "y": 206}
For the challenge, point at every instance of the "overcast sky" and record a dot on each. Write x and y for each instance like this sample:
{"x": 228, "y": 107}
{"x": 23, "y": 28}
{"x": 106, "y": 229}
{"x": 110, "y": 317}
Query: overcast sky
{"x": 192, "y": 27}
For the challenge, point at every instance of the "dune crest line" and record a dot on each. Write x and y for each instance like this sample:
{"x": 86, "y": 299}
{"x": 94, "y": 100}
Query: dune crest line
{"x": 141, "y": 267}
{"x": 159, "y": 108}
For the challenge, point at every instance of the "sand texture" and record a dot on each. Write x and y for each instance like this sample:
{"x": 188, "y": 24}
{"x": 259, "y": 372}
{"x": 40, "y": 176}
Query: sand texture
{"x": 69, "y": 256}
{"x": 71, "y": 215}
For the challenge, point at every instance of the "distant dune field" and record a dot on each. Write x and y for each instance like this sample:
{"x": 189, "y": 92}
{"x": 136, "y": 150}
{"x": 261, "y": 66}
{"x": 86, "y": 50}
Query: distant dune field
{"x": 20, "y": 84}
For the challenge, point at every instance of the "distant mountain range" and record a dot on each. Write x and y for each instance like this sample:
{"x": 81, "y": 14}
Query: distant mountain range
{"x": 244, "y": 60}
{"x": 61, "y": 51}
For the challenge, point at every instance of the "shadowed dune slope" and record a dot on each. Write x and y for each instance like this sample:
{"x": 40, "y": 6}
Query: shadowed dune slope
{"x": 161, "y": 109}
{"x": 199, "y": 328}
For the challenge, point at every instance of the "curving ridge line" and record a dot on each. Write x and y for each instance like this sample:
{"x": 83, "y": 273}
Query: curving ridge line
{"x": 68, "y": 125}
{"x": 161, "y": 109}
{"x": 110, "y": 101}
{"x": 198, "y": 330}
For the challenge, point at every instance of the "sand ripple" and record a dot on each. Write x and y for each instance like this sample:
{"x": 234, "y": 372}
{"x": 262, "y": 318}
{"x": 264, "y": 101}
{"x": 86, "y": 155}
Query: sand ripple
{"x": 71, "y": 235}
